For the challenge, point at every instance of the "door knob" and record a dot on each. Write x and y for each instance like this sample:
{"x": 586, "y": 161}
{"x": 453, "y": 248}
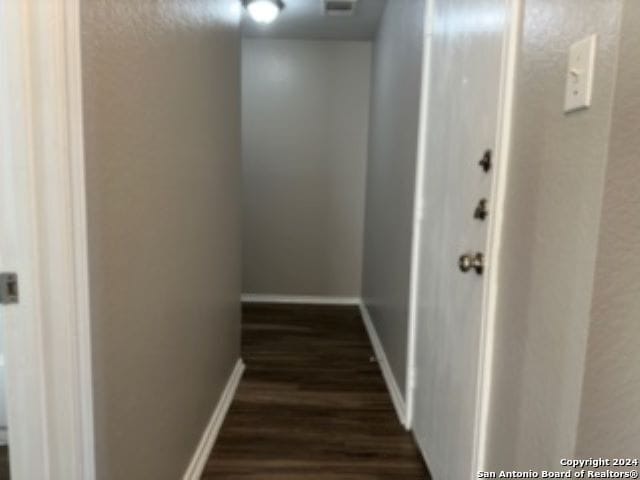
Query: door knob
{"x": 485, "y": 162}
{"x": 470, "y": 261}
{"x": 481, "y": 212}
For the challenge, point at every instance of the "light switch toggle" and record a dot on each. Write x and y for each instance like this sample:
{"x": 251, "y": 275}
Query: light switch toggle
{"x": 579, "y": 83}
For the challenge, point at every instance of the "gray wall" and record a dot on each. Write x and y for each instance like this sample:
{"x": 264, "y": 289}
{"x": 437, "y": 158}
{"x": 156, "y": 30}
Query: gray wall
{"x": 305, "y": 107}
{"x": 393, "y": 142}
{"x": 609, "y": 420}
{"x": 161, "y": 94}
{"x": 550, "y": 237}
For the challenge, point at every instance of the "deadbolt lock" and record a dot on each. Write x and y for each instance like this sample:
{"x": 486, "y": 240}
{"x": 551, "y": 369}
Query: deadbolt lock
{"x": 471, "y": 261}
{"x": 481, "y": 211}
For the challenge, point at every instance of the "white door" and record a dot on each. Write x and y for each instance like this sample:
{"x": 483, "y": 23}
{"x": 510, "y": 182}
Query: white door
{"x": 466, "y": 47}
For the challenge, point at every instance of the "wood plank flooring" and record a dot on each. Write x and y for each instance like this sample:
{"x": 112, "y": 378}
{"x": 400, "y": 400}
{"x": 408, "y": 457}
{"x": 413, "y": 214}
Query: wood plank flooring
{"x": 4, "y": 463}
{"x": 311, "y": 404}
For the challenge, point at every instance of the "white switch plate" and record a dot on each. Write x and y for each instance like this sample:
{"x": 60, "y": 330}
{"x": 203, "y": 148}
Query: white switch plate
{"x": 582, "y": 57}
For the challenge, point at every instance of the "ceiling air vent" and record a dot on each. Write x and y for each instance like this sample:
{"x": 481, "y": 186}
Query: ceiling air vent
{"x": 339, "y": 7}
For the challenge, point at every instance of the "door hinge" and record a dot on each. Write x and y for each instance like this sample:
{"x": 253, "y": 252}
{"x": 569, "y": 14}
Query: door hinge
{"x": 9, "y": 288}
{"x": 412, "y": 379}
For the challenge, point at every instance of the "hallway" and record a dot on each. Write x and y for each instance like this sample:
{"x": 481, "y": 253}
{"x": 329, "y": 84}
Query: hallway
{"x": 319, "y": 239}
{"x": 311, "y": 404}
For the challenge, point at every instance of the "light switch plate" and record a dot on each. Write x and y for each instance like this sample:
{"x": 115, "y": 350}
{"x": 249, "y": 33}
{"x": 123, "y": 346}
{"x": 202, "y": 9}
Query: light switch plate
{"x": 579, "y": 88}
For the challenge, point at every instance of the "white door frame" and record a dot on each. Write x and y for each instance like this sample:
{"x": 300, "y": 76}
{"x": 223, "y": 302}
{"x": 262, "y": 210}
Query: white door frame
{"x": 418, "y": 213}
{"x": 498, "y": 194}
{"x": 43, "y": 237}
{"x": 510, "y": 48}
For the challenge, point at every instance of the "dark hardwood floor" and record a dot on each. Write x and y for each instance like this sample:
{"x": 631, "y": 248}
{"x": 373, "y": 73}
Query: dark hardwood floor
{"x": 311, "y": 404}
{"x": 4, "y": 463}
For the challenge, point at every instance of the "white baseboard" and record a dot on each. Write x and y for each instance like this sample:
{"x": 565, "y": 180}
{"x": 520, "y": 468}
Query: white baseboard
{"x": 299, "y": 299}
{"x": 395, "y": 392}
{"x": 199, "y": 460}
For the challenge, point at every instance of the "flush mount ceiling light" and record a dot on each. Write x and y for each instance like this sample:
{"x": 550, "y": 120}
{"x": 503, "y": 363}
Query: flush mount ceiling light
{"x": 263, "y": 11}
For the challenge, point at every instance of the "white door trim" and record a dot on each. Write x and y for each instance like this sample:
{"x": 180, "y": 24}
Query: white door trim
{"x": 43, "y": 214}
{"x": 511, "y": 42}
{"x": 418, "y": 214}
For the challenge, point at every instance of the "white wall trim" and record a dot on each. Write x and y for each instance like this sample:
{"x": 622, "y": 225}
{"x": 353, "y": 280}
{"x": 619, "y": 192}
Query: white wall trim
{"x": 203, "y": 450}
{"x": 42, "y": 213}
{"x": 381, "y": 356}
{"x": 299, "y": 299}
{"x": 511, "y": 44}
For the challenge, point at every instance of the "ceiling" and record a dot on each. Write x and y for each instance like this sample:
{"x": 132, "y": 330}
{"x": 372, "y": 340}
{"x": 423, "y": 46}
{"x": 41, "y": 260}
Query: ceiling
{"x": 305, "y": 19}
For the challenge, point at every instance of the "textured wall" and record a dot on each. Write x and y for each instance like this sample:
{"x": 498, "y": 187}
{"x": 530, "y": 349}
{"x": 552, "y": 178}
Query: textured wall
{"x": 161, "y": 95}
{"x": 609, "y": 420}
{"x": 305, "y": 108}
{"x": 554, "y": 194}
{"x": 393, "y": 142}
